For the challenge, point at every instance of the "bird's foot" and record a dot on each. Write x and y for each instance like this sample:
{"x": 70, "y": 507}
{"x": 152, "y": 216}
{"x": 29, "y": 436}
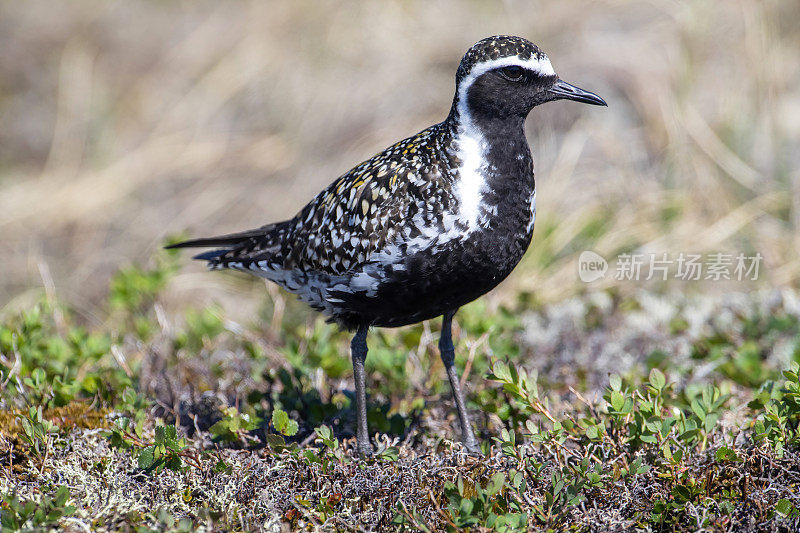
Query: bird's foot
{"x": 365, "y": 450}
{"x": 473, "y": 448}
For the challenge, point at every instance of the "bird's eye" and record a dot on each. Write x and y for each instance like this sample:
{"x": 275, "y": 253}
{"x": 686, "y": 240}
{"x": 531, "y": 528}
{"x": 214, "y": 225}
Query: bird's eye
{"x": 512, "y": 73}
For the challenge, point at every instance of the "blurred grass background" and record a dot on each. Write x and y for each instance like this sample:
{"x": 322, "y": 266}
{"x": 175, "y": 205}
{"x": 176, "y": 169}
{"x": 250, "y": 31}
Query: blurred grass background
{"x": 127, "y": 121}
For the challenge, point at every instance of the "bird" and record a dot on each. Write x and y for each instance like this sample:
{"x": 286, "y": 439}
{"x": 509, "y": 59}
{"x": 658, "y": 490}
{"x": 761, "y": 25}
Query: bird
{"x": 424, "y": 227}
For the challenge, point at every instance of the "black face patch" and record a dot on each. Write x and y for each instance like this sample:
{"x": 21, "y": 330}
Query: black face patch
{"x": 497, "y": 94}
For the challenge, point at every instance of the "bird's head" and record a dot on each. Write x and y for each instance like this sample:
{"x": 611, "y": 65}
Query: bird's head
{"x": 505, "y": 76}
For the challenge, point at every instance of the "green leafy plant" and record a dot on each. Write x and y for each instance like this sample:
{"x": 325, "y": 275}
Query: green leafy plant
{"x": 285, "y": 425}
{"x": 777, "y": 424}
{"x": 332, "y": 448}
{"x": 165, "y": 452}
{"x": 495, "y": 506}
{"x": 563, "y": 493}
{"x": 234, "y": 426}
{"x": 37, "y": 430}
{"x": 18, "y": 515}
{"x": 786, "y": 508}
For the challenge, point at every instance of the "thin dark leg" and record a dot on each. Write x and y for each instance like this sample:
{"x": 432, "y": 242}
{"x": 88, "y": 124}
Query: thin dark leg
{"x": 358, "y": 349}
{"x": 448, "y": 358}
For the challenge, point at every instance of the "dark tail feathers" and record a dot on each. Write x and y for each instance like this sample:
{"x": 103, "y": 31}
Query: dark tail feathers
{"x": 231, "y": 241}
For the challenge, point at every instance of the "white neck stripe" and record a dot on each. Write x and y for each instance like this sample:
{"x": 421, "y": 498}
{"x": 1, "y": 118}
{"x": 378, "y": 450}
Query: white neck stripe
{"x": 471, "y": 143}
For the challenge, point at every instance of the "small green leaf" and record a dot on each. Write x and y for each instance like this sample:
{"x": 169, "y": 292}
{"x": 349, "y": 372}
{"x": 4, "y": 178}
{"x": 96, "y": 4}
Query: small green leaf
{"x": 727, "y": 454}
{"x": 466, "y": 507}
{"x": 501, "y": 371}
{"x": 282, "y": 423}
{"x": 324, "y": 432}
{"x": 628, "y": 407}
{"x": 279, "y": 419}
{"x": 291, "y": 428}
{"x": 617, "y": 401}
{"x": 710, "y": 422}
{"x": 61, "y": 495}
{"x": 784, "y": 507}
{"x": 170, "y": 433}
{"x": 390, "y": 454}
{"x": 159, "y": 438}
{"x": 698, "y": 409}
{"x": 682, "y": 493}
{"x": 496, "y": 483}
{"x": 174, "y": 462}
{"x": 653, "y": 425}
{"x": 657, "y": 379}
{"x": 221, "y": 466}
{"x": 275, "y": 441}
{"x": 676, "y": 457}
{"x": 147, "y": 457}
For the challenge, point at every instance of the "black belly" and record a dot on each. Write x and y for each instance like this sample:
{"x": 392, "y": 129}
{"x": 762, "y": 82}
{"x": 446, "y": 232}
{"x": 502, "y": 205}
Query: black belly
{"x": 433, "y": 283}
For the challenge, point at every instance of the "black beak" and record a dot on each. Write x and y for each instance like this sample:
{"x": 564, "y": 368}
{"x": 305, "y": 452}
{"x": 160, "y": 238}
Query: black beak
{"x": 564, "y": 91}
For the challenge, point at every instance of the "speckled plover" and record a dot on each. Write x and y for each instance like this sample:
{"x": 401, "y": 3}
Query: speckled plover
{"x": 424, "y": 227}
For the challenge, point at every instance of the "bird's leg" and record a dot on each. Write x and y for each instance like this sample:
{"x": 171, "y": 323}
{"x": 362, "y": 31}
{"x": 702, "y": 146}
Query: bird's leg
{"x": 448, "y": 358}
{"x": 358, "y": 350}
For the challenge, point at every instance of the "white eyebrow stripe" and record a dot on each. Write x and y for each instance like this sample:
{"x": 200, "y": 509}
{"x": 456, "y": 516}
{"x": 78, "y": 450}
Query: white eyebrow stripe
{"x": 541, "y": 65}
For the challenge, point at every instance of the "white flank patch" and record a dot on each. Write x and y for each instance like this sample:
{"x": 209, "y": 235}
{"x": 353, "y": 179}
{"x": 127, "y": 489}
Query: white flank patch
{"x": 309, "y": 287}
{"x": 363, "y": 282}
{"x": 313, "y": 288}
